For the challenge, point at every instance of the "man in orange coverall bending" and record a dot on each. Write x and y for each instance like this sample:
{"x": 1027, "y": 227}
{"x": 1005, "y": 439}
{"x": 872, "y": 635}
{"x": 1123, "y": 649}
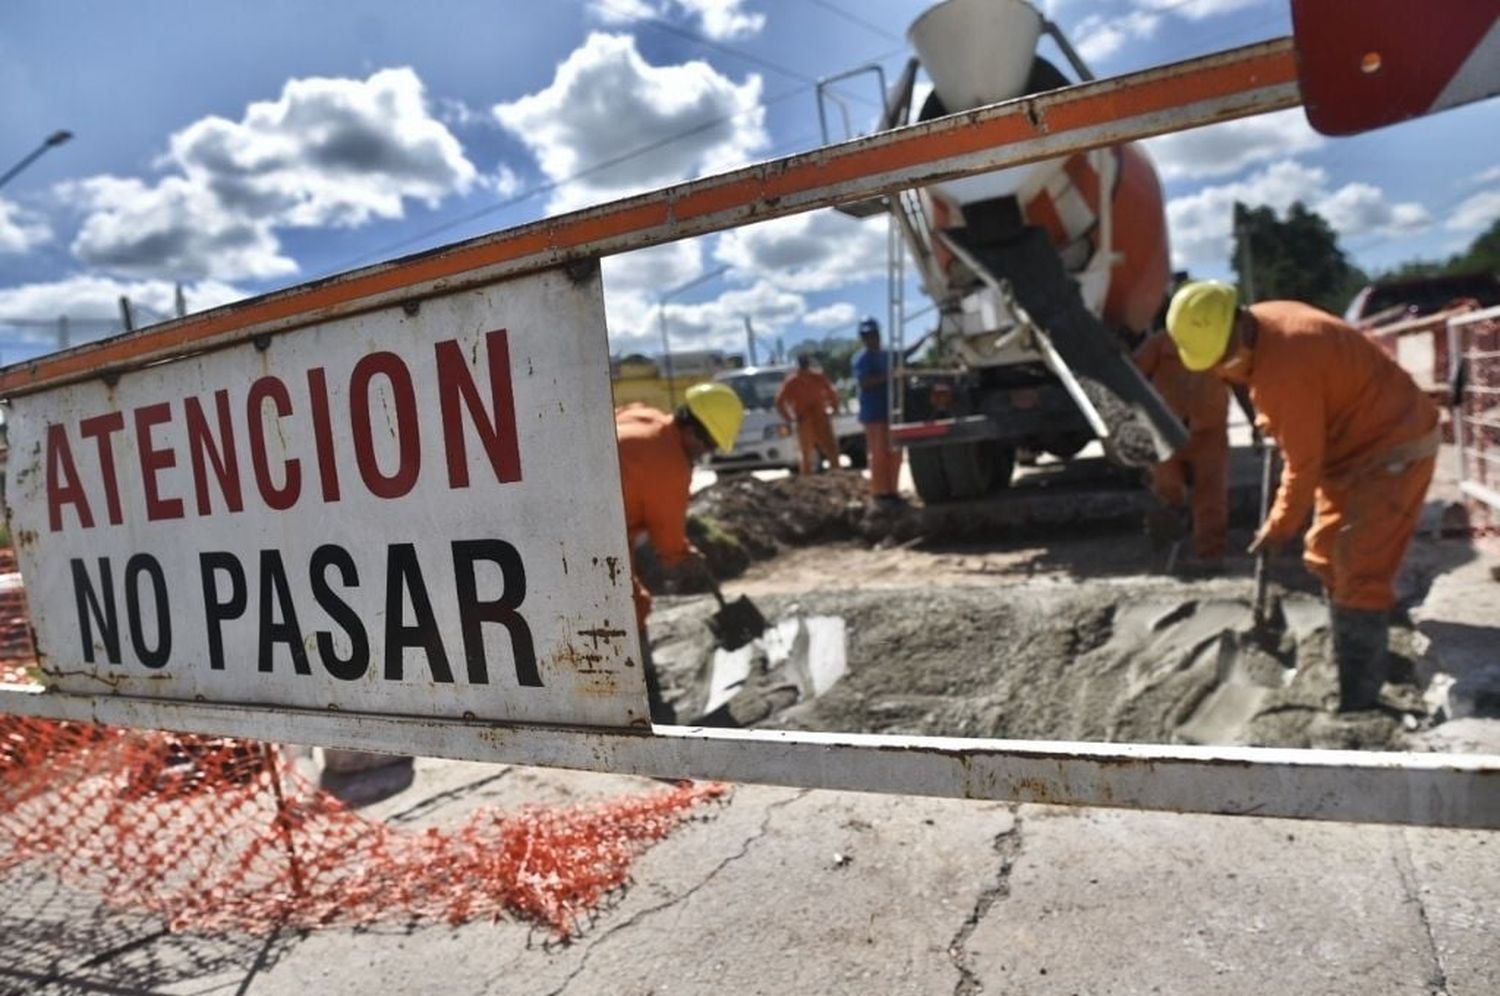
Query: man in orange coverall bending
{"x": 1359, "y": 440}
{"x": 1202, "y": 402}
{"x": 806, "y": 397}
{"x": 657, "y": 453}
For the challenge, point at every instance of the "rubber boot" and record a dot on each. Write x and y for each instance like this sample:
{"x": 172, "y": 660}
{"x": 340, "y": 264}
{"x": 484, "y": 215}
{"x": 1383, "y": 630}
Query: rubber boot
{"x": 1359, "y": 651}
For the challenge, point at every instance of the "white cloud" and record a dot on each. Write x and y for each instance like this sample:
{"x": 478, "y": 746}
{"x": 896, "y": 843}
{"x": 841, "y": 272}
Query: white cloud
{"x": 776, "y": 262}
{"x": 1487, "y": 176}
{"x": 655, "y": 271}
{"x": 1198, "y": 10}
{"x": 832, "y": 317}
{"x": 1200, "y": 223}
{"x": 1357, "y": 208}
{"x": 1222, "y": 149}
{"x": 327, "y": 152}
{"x": 720, "y": 323}
{"x": 503, "y": 182}
{"x": 176, "y": 227}
{"x": 21, "y": 230}
{"x": 631, "y": 126}
{"x": 634, "y": 283}
{"x": 91, "y": 303}
{"x": 1475, "y": 212}
{"x": 456, "y": 113}
{"x": 721, "y": 20}
{"x": 816, "y": 251}
{"x": 1099, "y": 36}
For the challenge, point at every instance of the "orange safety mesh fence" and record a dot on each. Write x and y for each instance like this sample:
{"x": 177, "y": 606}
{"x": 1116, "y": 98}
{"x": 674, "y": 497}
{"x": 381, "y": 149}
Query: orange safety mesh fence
{"x": 217, "y": 834}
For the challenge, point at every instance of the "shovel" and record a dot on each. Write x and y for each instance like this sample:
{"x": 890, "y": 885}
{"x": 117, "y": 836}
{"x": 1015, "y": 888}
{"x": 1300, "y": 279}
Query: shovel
{"x": 1243, "y": 676}
{"x": 737, "y": 622}
{"x": 1258, "y": 609}
{"x": 1264, "y": 634}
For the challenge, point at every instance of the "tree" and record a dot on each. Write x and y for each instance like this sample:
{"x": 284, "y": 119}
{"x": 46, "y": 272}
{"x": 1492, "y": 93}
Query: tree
{"x": 833, "y": 355}
{"x": 1297, "y": 258}
{"x": 1483, "y": 254}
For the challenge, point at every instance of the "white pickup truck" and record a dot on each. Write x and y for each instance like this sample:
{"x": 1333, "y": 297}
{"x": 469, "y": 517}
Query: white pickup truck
{"x": 765, "y": 441}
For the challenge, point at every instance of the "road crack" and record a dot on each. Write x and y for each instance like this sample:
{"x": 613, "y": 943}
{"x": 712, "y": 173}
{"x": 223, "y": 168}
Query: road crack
{"x": 1406, "y": 870}
{"x": 437, "y": 798}
{"x": 670, "y": 901}
{"x": 1007, "y": 844}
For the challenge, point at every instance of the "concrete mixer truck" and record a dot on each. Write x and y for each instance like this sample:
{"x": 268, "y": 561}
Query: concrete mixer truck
{"x": 1041, "y": 274}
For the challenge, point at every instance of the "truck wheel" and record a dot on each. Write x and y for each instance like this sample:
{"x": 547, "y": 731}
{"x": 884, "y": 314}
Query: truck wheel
{"x": 975, "y": 469}
{"x": 927, "y": 474}
{"x": 1004, "y": 459}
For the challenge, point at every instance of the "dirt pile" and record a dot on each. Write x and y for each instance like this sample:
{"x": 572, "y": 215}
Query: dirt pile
{"x": 1099, "y": 661}
{"x": 741, "y": 519}
{"x": 765, "y": 517}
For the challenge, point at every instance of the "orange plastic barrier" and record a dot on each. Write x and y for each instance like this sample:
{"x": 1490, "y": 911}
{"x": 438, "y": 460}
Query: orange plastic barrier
{"x": 215, "y": 834}
{"x": 224, "y": 835}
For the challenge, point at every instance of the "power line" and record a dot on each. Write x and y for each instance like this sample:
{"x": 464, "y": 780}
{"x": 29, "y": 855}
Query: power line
{"x": 707, "y": 42}
{"x": 856, "y": 19}
{"x": 547, "y": 186}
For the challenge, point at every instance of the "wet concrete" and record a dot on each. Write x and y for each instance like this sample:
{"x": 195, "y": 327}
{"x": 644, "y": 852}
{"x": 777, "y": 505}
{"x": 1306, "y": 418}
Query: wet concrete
{"x": 1145, "y": 660}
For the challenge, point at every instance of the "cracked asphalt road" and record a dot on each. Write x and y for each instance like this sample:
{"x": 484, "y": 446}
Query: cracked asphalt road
{"x": 788, "y": 891}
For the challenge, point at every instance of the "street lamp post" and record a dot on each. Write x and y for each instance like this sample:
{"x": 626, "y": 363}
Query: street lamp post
{"x": 661, "y": 317}
{"x": 56, "y": 138}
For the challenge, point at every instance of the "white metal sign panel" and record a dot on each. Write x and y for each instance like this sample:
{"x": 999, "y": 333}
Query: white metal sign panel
{"x": 413, "y": 512}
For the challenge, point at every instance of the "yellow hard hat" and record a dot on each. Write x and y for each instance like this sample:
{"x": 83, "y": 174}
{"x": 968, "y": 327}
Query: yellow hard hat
{"x": 1199, "y": 321}
{"x": 718, "y": 410}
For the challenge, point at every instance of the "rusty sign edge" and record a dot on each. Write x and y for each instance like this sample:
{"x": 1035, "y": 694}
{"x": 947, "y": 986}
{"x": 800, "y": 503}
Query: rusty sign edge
{"x": 1419, "y": 789}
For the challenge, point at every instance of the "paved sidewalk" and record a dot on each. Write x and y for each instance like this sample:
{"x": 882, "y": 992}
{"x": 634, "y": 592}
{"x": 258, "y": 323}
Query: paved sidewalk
{"x": 785, "y": 891}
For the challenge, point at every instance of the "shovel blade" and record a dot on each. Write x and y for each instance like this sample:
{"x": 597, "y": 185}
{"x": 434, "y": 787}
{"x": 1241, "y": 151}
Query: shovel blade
{"x": 737, "y": 623}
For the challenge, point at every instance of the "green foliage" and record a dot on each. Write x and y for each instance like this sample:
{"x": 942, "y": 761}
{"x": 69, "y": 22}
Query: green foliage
{"x": 833, "y": 355}
{"x": 1483, "y": 255}
{"x": 1297, "y": 258}
{"x": 713, "y": 531}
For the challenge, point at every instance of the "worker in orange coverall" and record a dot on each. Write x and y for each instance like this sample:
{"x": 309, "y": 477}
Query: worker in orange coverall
{"x": 806, "y": 397}
{"x": 1359, "y": 440}
{"x": 657, "y": 453}
{"x": 1201, "y": 401}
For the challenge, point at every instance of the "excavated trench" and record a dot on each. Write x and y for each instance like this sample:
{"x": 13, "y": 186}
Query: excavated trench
{"x": 1135, "y": 659}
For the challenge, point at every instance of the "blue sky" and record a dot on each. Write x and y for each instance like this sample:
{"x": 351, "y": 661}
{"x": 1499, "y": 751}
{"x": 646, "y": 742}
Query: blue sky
{"x": 239, "y": 146}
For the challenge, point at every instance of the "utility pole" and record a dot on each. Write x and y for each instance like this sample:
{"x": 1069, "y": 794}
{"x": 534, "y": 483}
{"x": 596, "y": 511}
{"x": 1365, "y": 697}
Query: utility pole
{"x": 661, "y": 318}
{"x": 1247, "y": 264}
{"x": 125, "y": 316}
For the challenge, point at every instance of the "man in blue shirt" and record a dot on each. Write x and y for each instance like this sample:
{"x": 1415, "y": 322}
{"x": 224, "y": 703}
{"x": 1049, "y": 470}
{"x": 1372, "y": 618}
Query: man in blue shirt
{"x": 872, "y": 373}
